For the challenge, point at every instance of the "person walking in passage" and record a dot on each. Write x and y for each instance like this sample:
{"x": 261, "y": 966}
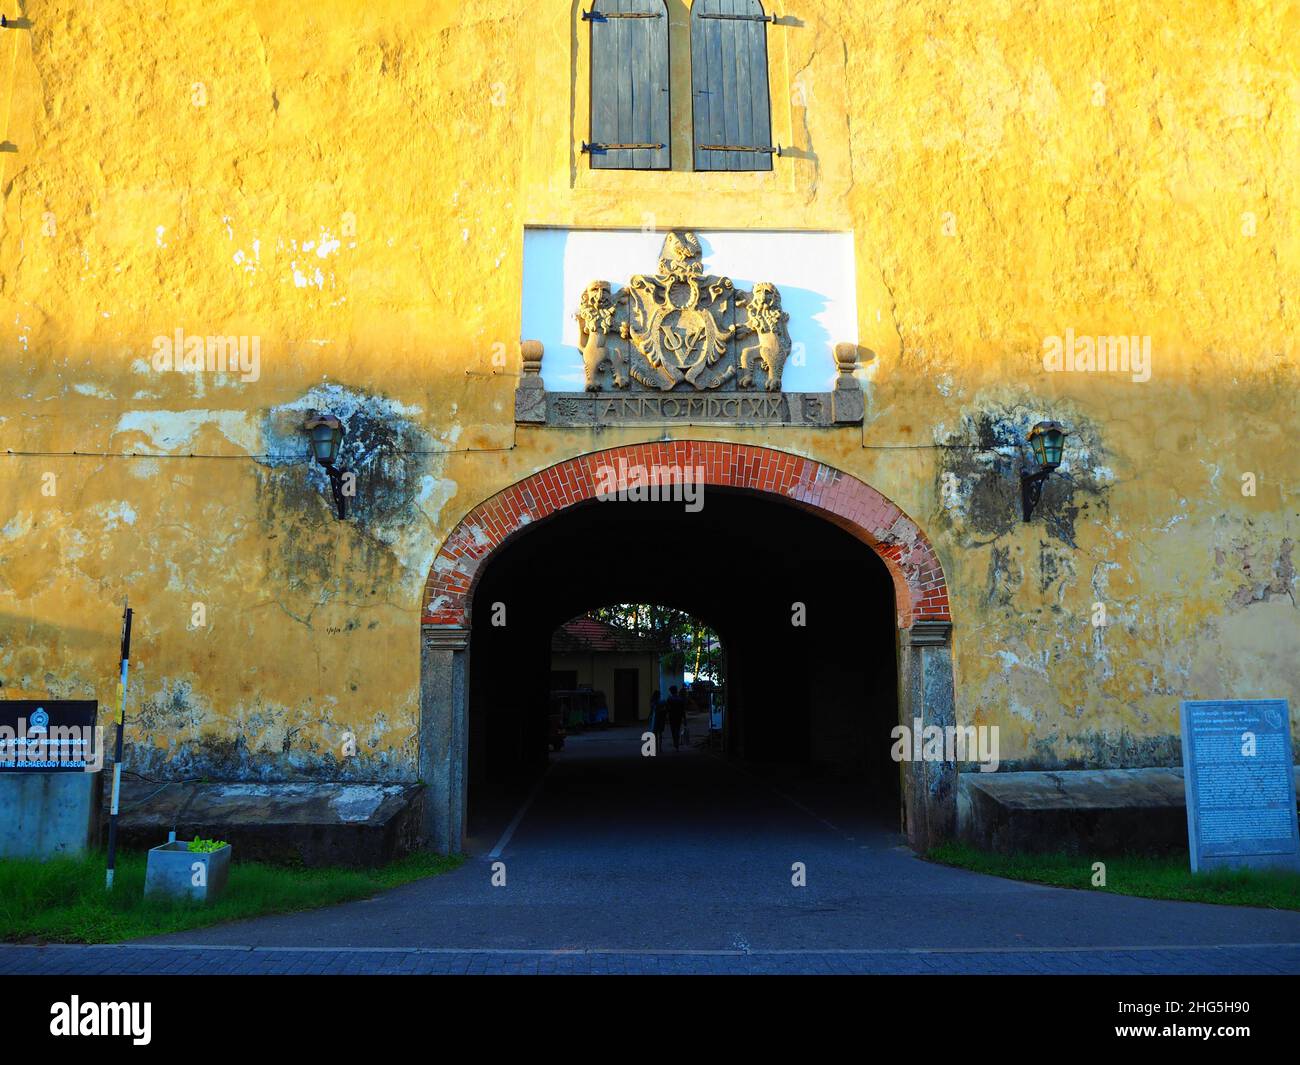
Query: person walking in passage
{"x": 676, "y": 715}
{"x": 656, "y": 717}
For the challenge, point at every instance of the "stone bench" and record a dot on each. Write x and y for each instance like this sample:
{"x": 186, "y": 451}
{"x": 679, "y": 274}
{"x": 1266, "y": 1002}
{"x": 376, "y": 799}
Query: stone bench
{"x": 312, "y": 823}
{"x": 1086, "y": 811}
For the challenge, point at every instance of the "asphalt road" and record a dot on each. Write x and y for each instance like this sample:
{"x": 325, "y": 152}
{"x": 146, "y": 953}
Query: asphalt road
{"x": 684, "y": 863}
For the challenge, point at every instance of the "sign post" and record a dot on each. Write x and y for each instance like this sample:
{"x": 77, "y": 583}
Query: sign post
{"x": 51, "y": 752}
{"x": 117, "y": 749}
{"x": 1239, "y": 779}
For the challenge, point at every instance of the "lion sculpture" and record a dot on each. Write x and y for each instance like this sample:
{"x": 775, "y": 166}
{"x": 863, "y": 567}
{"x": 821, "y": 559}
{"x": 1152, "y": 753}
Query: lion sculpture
{"x": 765, "y": 321}
{"x": 595, "y": 322}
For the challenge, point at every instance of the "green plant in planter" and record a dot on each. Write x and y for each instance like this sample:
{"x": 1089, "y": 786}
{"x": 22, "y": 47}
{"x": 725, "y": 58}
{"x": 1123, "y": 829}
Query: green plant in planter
{"x": 206, "y": 845}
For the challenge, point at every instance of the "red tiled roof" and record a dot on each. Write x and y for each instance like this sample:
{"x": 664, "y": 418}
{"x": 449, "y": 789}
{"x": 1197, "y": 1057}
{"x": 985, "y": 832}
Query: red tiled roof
{"x": 586, "y": 634}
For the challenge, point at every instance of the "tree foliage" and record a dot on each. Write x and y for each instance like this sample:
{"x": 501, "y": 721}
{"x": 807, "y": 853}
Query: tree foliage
{"x": 695, "y": 647}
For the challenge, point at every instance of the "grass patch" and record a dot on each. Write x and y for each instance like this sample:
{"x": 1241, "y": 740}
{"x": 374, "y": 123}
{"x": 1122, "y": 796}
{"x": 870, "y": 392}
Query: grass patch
{"x": 1148, "y": 877}
{"x": 63, "y": 900}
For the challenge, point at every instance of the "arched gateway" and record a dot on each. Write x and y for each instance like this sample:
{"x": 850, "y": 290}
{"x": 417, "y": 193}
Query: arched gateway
{"x": 921, "y": 601}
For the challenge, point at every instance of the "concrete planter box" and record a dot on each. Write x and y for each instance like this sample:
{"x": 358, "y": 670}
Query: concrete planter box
{"x": 171, "y": 872}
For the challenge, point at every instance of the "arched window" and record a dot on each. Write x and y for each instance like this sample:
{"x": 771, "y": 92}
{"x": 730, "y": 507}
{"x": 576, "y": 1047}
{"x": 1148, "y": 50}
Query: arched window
{"x": 733, "y": 112}
{"x": 629, "y": 85}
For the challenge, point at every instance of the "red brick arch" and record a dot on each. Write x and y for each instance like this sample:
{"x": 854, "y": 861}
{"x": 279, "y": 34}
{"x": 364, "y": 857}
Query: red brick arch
{"x": 920, "y": 589}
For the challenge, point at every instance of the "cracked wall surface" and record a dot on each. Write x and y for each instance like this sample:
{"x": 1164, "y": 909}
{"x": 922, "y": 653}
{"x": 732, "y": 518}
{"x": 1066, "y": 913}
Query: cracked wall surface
{"x": 349, "y": 184}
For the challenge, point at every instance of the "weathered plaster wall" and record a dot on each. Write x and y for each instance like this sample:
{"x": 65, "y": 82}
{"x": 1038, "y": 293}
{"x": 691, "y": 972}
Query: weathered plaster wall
{"x": 349, "y": 185}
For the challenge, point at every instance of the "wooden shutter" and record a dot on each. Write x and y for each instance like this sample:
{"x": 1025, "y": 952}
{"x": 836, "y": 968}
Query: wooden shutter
{"x": 629, "y": 85}
{"x": 729, "y": 86}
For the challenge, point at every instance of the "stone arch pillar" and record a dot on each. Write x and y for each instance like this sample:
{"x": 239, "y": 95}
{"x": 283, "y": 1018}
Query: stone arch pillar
{"x": 444, "y": 720}
{"x": 926, "y": 697}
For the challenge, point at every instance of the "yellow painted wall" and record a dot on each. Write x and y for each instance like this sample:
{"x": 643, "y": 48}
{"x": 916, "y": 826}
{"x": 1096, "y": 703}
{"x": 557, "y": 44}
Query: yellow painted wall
{"x": 349, "y": 183}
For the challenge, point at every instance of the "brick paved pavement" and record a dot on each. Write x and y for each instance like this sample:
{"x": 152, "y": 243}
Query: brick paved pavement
{"x": 120, "y": 960}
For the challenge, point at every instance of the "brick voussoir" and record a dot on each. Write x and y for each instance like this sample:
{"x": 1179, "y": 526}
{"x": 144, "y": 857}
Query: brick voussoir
{"x": 835, "y": 495}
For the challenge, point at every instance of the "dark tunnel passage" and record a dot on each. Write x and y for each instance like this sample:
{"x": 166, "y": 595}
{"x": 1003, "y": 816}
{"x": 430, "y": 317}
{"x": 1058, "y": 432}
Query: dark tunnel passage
{"x": 820, "y": 697}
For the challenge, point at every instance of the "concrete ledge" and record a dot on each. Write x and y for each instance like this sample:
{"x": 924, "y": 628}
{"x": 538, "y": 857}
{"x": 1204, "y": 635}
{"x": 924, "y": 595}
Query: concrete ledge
{"x": 1088, "y": 811}
{"x": 314, "y": 824}
{"x": 48, "y": 815}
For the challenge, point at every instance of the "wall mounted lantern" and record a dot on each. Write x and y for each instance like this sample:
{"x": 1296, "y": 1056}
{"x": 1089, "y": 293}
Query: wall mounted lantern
{"x": 1047, "y": 440}
{"x": 326, "y": 439}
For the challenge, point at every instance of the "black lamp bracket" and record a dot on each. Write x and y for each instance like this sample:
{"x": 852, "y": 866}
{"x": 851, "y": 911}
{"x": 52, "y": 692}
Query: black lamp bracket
{"x": 1031, "y": 489}
{"x": 336, "y": 486}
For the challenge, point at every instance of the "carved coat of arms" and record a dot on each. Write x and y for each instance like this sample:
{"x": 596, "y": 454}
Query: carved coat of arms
{"x": 683, "y": 329}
